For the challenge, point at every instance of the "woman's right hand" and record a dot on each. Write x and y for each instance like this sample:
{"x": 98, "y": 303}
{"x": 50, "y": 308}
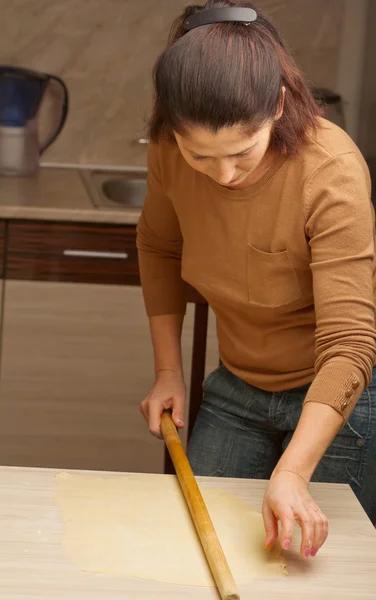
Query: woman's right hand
{"x": 168, "y": 392}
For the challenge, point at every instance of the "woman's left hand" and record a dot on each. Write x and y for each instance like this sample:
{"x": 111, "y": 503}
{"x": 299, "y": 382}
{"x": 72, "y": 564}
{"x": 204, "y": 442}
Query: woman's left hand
{"x": 287, "y": 500}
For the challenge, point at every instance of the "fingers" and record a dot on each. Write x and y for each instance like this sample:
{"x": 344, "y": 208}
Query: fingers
{"x": 178, "y": 411}
{"x": 314, "y": 526}
{"x": 287, "y": 530}
{"x": 321, "y": 530}
{"x": 155, "y": 411}
{"x": 144, "y": 408}
{"x": 152, "y": 412}
{"x": 287, "y": 500}
{"x": 270, "y": 525}
{"x": 307, "y": 525}
{"x": 153, "y": 407}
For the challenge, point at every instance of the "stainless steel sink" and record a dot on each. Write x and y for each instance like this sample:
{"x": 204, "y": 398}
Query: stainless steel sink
{"x": 116, "y": 189}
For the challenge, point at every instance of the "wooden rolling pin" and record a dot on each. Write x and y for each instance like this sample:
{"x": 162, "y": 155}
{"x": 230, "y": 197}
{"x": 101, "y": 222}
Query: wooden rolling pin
{"x": 213, "y": 551}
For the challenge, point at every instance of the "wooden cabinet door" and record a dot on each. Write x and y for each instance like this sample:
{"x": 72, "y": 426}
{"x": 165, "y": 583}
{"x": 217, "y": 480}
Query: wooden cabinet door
{"x": 77, "y": 356}
{"x": 77, "y": 361}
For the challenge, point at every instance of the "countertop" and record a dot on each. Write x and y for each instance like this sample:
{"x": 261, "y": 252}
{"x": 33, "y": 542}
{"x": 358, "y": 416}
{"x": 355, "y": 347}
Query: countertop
{"x": 33, "y": 563}
{"x": 56, "y": 194}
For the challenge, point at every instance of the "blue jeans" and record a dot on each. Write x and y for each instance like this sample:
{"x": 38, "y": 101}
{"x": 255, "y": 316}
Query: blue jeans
{"x": 241, "y": 431}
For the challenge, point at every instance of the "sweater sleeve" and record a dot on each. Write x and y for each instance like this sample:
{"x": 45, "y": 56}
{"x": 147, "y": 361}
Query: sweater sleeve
{"x": 159, "y": 244}
{"x": 340, "y": 229}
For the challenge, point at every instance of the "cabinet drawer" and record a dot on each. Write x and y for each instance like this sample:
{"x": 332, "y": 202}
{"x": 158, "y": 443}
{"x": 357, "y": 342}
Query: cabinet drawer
{"x": 86, "y": 253}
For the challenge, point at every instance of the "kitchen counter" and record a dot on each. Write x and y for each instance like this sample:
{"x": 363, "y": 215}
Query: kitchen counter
{"x": 56, "y": 194}
{"x": 34, "y": 565}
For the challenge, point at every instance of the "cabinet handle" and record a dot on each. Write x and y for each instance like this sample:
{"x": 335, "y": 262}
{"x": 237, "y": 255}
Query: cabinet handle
{"x": 142, "y": 141}
{"x": 96, "y": 254}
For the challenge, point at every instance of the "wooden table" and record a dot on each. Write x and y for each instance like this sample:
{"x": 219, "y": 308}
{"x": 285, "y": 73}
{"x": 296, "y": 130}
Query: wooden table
{"x": 33, "y": 564}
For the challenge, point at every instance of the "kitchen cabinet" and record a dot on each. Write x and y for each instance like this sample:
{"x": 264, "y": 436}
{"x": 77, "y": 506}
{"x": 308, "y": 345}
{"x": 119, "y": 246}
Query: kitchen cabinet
{"x": 76, "y": 352}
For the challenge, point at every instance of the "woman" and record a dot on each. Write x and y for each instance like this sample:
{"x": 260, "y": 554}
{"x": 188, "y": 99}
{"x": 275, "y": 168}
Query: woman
{"x": 265, "y": 209}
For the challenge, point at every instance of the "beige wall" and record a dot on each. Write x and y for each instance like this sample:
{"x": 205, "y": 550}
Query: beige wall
{"x": 104, "y": 50}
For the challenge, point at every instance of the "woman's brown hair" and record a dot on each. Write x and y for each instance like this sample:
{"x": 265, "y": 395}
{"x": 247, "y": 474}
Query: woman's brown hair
{"x": 226, "y": 74}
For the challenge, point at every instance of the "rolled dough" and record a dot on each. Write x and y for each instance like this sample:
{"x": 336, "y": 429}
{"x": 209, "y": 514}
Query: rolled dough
{"x": 139, "y": 526}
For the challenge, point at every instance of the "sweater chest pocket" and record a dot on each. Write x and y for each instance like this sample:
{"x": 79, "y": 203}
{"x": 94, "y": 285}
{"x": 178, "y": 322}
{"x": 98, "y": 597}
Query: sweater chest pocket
{"x": 271, "y": 278}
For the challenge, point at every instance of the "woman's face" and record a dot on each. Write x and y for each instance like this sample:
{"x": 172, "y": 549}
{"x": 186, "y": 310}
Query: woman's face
{"x": 229, "y": 156}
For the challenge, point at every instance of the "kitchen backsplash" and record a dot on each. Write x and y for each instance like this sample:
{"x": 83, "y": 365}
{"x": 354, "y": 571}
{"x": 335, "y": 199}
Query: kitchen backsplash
{"x": 104, "y": 50}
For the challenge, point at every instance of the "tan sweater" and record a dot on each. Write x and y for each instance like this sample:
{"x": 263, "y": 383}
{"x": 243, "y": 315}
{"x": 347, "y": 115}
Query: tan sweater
{"x": 287, "y": 265}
